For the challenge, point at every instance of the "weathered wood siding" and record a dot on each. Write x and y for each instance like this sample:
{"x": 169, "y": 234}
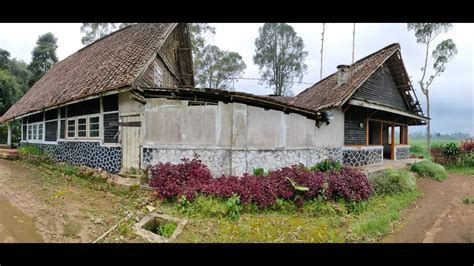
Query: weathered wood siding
{"x": 167, "y": 59}
{"x": 353, "y": 133}
{"x": 148, "y": 78}
{"x": 381, "y": 87}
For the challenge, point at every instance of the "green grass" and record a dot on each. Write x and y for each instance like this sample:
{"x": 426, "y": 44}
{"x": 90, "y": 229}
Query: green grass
{"x": 418, "y": 146}
{"x": 430, "y": 169}
{"x": 468, "y": 200}
{"x": 461, "y": 170}
{"x": 319, "y": 221}
{"x": 380, "y": 216}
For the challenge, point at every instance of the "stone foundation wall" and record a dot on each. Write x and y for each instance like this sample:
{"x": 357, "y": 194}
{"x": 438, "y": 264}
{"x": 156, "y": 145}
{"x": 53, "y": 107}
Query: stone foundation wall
{"x": 402, "y": 152}
{"x": 221, "y": 161}
{"x": 357, "y": 156}
{"x": 91, "y": 154}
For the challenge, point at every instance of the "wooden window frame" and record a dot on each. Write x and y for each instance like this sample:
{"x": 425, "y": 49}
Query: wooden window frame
{"x": 88, "y": 131}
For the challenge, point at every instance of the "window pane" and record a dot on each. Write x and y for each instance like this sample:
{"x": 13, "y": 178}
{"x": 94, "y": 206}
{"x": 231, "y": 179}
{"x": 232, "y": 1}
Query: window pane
{"x": 94, "y": 133}
{"x": 81, "y": 134}
{"x": 94, "y": 126}
{"x": 81, "y": 121}
{"x": 71, "y": 128}
{"x": 81, "y": 127}
{"x": 35, "y": 132}
{"x": 94, "y": 120}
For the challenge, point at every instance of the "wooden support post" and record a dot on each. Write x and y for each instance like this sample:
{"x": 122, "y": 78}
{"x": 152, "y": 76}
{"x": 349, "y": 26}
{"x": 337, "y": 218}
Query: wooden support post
{"x": 392, "y": 145}
{"x": 381, "y": 133}
{"x": 367, "y": 132}
{"x": 9, "y": 137}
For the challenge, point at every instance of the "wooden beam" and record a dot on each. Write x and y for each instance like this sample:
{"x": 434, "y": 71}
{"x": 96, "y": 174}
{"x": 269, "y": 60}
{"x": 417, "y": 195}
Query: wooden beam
{"x": 392, "y": 145}
{"x": 385, "y": 108}
{"x": 367, "y": 132}
{"x": 386, "y": 121}
{"x": 381, "y": 133}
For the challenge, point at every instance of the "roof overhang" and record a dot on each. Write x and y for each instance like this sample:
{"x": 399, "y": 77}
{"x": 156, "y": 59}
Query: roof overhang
{"x": 377, "y": 106}
{"x": 227, "y": 96}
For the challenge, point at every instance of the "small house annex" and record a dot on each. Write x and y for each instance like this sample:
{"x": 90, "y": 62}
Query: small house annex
{"x": 128, "y": 101}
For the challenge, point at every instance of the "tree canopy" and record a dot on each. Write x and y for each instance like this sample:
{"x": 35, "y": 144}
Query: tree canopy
{"x": 10, "y": 90}
{"x": 95, "y": 31}
{"x": 217, "y": 68}
{"x": 280, "y": 56}
{"x": 43, "y": 56}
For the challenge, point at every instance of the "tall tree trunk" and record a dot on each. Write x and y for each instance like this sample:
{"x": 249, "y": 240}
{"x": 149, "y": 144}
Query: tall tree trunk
{"x": 428, "y": 128}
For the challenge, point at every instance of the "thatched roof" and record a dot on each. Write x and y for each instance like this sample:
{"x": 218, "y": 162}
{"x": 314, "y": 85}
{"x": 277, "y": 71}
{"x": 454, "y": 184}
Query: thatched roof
{"x": 326, "y": 93}
{"x": 110, "y": 63}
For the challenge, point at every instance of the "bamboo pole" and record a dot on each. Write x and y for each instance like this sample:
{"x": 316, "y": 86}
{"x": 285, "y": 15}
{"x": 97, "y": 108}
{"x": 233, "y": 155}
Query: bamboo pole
{"x": 322, "y": 46}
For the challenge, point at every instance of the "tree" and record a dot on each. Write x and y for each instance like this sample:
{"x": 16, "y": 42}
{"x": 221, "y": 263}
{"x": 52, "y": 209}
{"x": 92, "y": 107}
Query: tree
{"x": 199, "y": 34}
{"x": 10, "y": 90}
{"x": 444, "y": 52}
{"x": 19, "y": 69}
{"x": 217, "y": 68}
{"x": 43, "y": 57}
{"x": 280, "y": 56}
{"x": 4, "y": 58}
{"x": 95, "y": 31}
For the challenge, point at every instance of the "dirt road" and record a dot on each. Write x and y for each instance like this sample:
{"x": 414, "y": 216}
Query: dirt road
{"x": 37, "y": 208}
{"x": 439, "y": 216}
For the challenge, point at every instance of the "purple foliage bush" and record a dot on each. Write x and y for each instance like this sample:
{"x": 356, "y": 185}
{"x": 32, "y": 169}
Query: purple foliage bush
{"x": 192, "y": 177}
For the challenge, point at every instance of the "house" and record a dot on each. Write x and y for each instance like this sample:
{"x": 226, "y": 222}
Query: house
{"x": 128, "y": 101}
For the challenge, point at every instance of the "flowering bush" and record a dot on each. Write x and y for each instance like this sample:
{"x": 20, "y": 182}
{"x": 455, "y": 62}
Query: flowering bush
{"x": 467, "y": 146}
{"x": 192, "y": 177}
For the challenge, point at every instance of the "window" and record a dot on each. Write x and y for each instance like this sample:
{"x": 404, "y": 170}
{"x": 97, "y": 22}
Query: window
{"x": 158, "y": 76}
{"x": 83, "y": 127}
{"x": 71, "y": 128}
{"x": 35, "y": 131}
{"x": 40, "y": 131}
{"x": 29, "y": 132}
{"x": 94, "y": 127}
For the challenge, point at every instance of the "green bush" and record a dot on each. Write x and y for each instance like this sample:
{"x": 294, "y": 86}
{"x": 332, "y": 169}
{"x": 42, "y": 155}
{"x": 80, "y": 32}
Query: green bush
{"x": 233, "y": 207}
{"x": 450, "y": 149}
{"x": 30, "y": 150}
{"x": 393, "y": 181}
{"x": 429, "y": 169}
{"x": 326, "y": 165}
{"x": 417, "y": 149}
{"x": 258, "y": 172}
{"x": 467, "y": 159}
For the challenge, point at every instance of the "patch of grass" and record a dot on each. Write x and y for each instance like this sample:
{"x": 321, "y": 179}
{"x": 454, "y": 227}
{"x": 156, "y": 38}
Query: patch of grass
{"x": 393, "y": 181}
{"x": 418, "y": 146}
{"x": 71, "y": 228}
{"x": 166, "y": 230}
{"x": 429, "y": 169}
{"x": 468, "y": 200}
{"x": 461, "y": 170}
{"x": 381, "y": 214}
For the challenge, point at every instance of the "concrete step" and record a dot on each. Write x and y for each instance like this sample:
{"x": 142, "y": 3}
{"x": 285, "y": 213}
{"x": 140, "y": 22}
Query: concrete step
{"x": 9, "y": 154}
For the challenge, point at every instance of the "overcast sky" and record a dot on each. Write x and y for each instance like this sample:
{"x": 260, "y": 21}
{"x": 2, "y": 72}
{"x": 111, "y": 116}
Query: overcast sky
{"x": 452, "y": 97}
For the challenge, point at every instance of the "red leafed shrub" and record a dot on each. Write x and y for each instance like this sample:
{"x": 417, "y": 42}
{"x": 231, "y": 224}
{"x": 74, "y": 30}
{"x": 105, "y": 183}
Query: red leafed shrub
{"x": 350, "y": 184}
{"x": 187, "y": 178}
{"x": 467, "y": 146}
{"x": 192, "y": 177}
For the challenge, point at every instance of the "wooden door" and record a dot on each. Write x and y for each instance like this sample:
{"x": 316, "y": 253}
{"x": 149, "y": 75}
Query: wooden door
{"x": 131, "y": 143}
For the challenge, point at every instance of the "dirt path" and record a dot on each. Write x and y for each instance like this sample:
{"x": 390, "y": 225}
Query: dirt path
{"x": 37, "y": 208}
{"x": 439, "y": 216}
